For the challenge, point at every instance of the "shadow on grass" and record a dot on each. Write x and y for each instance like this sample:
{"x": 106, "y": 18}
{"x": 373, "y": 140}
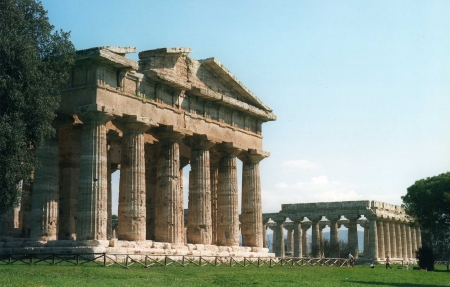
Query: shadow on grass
{"x": 390, "y": 284}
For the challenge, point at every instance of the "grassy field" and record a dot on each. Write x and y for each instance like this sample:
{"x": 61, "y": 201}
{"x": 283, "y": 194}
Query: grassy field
{"x": 80, "y": 276}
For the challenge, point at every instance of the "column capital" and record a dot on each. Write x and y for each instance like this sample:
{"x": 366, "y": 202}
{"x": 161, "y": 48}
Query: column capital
{"x": 306, "y": 225}
{"x": 229, "y": 148}
{"x": 133, "y": 123}
{"x": 253, "y": 155}
{"x": 201, "y": 142}
{"x": 170, "y": 133}
{"x": 94, "y": 112}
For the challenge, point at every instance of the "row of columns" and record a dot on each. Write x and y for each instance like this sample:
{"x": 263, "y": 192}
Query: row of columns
{"x": 382, "y": 238}
{"x": 150, "y": 204}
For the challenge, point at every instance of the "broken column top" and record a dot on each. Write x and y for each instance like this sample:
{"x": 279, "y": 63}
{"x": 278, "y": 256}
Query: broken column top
{"x": 162, "y": 51}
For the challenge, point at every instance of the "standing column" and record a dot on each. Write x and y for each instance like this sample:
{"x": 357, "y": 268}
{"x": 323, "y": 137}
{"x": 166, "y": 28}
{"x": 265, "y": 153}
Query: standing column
{"x": 227, "y": 200}
{"x": 408, "y": 241}
{"x": 25, "y": 207}
{"x": 290, "y": 240}
{"x": 297, "y": 239}
{"x": 413, "y": 241}
{"x": 380, "y": 233}
{"x": 199, "y": 205}
{"x": 151, "y": 174}
{"x": 334, "y": 237}
{"x": 367, "y": 250}
{"x": 418, "y": 237}
{"x": 393, "y": 239}
{"x": 373, "y": 237}
{"x": 398, "y": 239}
{"x": 169, "y": 212}
{"x": 353, "y": 234}
{"x": 214, "y": 172}
{"x": 387, "y": 238}
{"x": 251, "y": 209}
{"x": 279, "y": 238}
{"x": 44, "y": 206}
{"x": 315, "y": 236}
{"x": 93, "y": 186}
{"x": 305, "y": 241}
{"x": 132, "y": 212}
{"x": 404, "y": 241}
{"x": 69, "y": 170}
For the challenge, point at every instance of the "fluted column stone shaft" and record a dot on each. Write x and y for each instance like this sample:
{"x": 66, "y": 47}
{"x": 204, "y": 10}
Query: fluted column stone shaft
{"x": 132, "y": 190}
{"x": 413, "y": 241}
{"x": 199, "y": 205}
{"x": 227, "y": 201}
{"x": 404, "y": 241}
{"x": 418, "y": 237}
{"x": 408, "y": 241}
{"x": 398, "y": 240}
{"x": 93, "y": 186}
{"x": 334, "y": 237}
{"x": 380, "y": 233}
{"x": 169, "y": 212}
{"x": 279, "y": 239}
{"x": 305, "y": 239}
{"x": 214, "y": 173}
{"x": 366, "y": 241}
{"x": 151, "y": 174}
{"x": 290, "y": 240}
{"x": 44, "y": 206}
{"x": 251, "y": 212}
{"x": 297, "y": 239}
{"x": 353, "y": 235}
{"x": 387, "y": 238}
{"x": 373, "y": 238}
{"x": 315, "y": 246}
{"x": 25, "y": 207}
{"x": 392, "y": 233}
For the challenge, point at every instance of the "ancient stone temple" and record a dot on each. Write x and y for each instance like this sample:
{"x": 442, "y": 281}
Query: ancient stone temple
{"x": 149, "y": 119}
{"x": 388, "y": 231}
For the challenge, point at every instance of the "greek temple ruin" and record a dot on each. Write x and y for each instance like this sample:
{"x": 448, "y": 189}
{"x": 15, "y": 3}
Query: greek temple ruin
{"x": 149, "y": 119}
{"x": 388, "y": 231}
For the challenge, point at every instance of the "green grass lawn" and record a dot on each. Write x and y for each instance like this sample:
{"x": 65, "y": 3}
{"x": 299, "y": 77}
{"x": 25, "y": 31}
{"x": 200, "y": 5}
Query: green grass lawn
{"x": 80, "y": 276}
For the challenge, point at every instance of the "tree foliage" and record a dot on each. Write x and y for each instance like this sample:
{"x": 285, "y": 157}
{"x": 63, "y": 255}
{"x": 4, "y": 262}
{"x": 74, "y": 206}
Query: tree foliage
{"x": 35, "y": 61}
{"x": 426, "y": 258}
{"x": 428, "y": 202}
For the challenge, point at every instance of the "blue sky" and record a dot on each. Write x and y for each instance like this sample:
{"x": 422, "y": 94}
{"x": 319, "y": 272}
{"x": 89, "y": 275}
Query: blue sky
{"x": 360, "y": 88}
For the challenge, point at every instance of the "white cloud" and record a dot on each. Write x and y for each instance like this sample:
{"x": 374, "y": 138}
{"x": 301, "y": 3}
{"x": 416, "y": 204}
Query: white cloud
{"x": 318, "y": 189}
{"x": 302, "y": 164}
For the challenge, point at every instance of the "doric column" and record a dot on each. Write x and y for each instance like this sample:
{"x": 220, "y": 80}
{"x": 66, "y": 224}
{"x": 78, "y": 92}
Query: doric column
{"x": 387, "y": 238}
{"x": 112, "y": 138}
{"x": 305, "y": 240}
{"x": 227, "y": 199}
{"x": 398, "y": 239}
{"x": 151, "y": 174}
{"x": 393, "y": 237}
{"x": 380, "y": 233}
{"x": 290, "y": 239}
{"x": 25, "y": 207}
{"x": 334, "y": 237}
{"x": 214, "y": 157}
{"x": 373, "y": 237}
{"x": 408, "y": 241}
{"x": 353, "y": 234}
{"x": 279, "y": 238}
{"x": 251, "y": 209}
{"x": 315, "y": 252}
{"x": 413, "y": 241}
{"x": 132, "y": 212}
{"x": 93, "y": 186}
{"x": 321, "y": 240}
{"x": 44, "y": 206}
{"x": 297, "y": 239}
{"x": 69, "y": 167}
{"x": 418, "y": 237}
{"x": 199, "y": 205}
{"x": 367, "y": 250}
{"x": 169, "y": 212}
{"x": 183, "y": 162}
{"x": 404, "y": 241}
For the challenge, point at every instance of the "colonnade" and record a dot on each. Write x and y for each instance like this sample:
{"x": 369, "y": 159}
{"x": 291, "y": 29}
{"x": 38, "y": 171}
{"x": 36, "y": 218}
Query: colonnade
{"x": 213, "y": 191}
{"x": 386, "y": 228}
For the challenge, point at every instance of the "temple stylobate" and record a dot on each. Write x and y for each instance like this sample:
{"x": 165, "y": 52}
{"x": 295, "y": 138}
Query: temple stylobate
{"x": 149, "y": 119}
{"x": 388, "y": 231}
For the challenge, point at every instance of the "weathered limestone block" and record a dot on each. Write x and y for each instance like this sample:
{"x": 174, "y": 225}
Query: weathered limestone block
{"x": 93, "y": 186}
{"x": 251, "y": 210}
{"x": 44, "y": 210}
{"x": 132, "y": 190}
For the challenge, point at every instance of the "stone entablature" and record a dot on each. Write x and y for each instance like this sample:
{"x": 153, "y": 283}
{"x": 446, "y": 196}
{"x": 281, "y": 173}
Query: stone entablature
{"x": 388, "y": 230}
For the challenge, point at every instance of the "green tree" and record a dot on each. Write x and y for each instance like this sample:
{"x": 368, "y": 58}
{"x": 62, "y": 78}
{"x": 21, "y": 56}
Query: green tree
{"x": 428, "y": 202}
{"x": 35, "y": 62}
